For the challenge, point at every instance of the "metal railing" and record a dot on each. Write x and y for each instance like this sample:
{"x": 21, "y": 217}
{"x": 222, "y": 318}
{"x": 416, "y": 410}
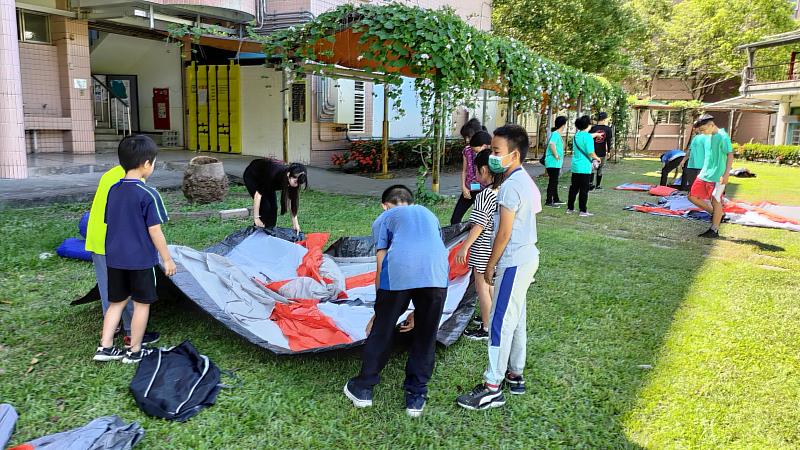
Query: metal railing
{"x": 774, "y": 73}
{"x": 110, "y": 109}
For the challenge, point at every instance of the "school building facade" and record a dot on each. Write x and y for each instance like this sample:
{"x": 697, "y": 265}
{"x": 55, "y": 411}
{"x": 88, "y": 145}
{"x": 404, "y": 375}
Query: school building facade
{"x": 76, "y": 76}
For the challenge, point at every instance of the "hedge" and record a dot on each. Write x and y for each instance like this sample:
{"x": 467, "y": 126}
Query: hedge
{"x": 781, "y": 154}
{"x": 365, "y": 155}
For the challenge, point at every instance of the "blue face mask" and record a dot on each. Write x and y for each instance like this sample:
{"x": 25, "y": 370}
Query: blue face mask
{"x": 496, "y": 163}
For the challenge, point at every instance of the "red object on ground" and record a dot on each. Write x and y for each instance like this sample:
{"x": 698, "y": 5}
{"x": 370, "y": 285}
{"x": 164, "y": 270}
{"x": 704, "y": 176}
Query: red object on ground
{"x": 456, "y": 269}
{"x": 306, "y": 327}
{"x": 309, "y": 267}
{"x": 274, "y": 286}
{"x": 662, "y": 191}
{"x": 657, "y": 210}
{"x": 357, "y": 281}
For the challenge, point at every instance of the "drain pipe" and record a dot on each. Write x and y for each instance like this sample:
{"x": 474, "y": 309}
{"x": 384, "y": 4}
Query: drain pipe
{"x": 35, "y": 141}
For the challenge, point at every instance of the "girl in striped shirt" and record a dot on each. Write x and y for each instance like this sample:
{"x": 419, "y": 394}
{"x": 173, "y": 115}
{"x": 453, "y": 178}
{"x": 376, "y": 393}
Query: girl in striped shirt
{"x": 479, "y": 242}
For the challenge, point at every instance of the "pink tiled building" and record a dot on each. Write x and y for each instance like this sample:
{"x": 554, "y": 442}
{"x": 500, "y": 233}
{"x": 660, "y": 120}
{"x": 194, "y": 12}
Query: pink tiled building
{"x": 77, "y": 75}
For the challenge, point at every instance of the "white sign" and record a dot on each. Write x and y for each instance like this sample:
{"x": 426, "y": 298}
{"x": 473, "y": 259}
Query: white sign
{"x": 80, "y": 83}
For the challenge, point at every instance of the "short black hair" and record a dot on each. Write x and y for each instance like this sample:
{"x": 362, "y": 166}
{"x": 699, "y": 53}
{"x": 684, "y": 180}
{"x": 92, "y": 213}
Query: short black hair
{"x": 134, "y": 151}
{"x": 560, "y": 122}
{"x": 602, "y": 116}
{"x": 480, "y": 138}
{"x": 481, "y": 160}
{"x": 397, "y": 194}
{"x": 517, "y": 138}
{"x": 583, "y": 122}
{"x": 471, "y": 127}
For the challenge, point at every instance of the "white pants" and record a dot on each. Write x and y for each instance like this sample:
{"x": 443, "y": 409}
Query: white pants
{"x": 507, "y": 333}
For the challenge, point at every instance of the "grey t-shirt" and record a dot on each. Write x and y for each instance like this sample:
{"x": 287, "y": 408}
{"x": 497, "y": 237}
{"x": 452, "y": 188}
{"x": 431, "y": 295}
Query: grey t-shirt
{"x": 519, "y": 194}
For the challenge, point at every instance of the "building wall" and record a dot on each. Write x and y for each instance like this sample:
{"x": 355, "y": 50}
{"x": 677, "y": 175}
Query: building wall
{"x": 246, "y": 6}
{"x": 41, "y": 87}
{"x": 156, "y": 65}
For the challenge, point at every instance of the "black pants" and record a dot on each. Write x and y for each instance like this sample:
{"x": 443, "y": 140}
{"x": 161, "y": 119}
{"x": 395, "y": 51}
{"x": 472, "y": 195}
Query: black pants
{"x": 268, "y": 208}
{"x": 689, "y": 175}
{"x": 462, "y": 205}
{"x": 389, "y": 306}
{"x": 669, "y": 167}
{"x": 552, "y": 185}
{"x": 580, "y": 188}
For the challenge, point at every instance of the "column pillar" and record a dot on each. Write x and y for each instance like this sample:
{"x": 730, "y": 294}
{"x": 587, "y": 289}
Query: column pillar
{"x": 71, "y": 38}
{"x": 13, "y": 159}
{"x": 780, "y": 123}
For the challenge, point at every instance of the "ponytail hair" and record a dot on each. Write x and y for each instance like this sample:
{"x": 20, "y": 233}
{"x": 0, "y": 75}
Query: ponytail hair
{"x": 290, "y": 196}
{"x": 560, "y": 122}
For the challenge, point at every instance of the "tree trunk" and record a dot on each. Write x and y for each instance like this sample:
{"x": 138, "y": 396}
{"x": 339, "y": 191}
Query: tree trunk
{"x": 652, "y": 132}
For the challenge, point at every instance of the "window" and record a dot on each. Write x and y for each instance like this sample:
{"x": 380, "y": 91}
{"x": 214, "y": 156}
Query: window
{"x": 33, "y": 27}
{"x": 299, "y": 102}
{"x": 666, "y": 117}
{"x": 358, "y": 125}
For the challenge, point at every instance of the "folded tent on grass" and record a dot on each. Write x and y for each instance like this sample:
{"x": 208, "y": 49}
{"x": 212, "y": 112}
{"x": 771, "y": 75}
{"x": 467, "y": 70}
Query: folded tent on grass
{"x": 243, "y": 282}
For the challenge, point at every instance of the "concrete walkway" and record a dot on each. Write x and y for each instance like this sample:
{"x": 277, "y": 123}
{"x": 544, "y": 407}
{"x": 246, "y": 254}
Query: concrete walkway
{"x": 63, "y": 177}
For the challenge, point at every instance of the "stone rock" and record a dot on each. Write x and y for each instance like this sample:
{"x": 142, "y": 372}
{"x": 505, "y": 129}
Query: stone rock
{"x": 204, "y": 180}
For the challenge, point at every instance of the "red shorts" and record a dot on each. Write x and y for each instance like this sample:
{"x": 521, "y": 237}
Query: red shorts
{"x": 702, "y": 189}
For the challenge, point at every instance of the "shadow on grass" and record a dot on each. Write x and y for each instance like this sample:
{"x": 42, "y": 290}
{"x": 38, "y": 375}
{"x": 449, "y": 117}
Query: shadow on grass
{"x": 758, "y": 244}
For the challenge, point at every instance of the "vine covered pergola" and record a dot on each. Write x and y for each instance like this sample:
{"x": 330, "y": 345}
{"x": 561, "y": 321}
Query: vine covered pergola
{"x": 449, "y": 60}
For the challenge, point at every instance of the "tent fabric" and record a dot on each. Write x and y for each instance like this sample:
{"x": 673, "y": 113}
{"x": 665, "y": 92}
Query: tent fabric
{"x": 8, "y": 420}
{"x": 662, "y": 191}
{"x": 312, "y": 260}
{"x": 103, "y": 433}
{"x": 306, "y": 327}
{"x": 230, "y": 281}
{"x": 74, "y": 248}
{"x": 643, "y": 187}
{"x": 456, "y": 269}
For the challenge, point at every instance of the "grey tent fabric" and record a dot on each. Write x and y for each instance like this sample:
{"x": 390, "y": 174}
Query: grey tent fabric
{"x": 8, "y": 419}
{"x": 103, "y": 433}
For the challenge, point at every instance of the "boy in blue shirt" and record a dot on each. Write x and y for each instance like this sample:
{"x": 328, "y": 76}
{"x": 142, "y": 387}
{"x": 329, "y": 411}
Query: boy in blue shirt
{"x": 411, "y": 266}
{"x": 515, "y": 259}
{"x": 134, "y": 214}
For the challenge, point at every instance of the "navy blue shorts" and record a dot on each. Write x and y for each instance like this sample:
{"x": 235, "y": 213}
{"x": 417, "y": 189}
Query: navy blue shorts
{"x": 139, "y": 285}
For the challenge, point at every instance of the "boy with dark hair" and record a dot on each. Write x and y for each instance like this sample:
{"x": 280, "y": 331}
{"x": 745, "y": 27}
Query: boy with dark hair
{"x": 411, "y": 266}
{"x": 710, "y": 183}
{"x": 603, "y": 141}
{"x": 515, "y": 259}
{"x": 693, "y": 162}
{"x": 134, "y": 214}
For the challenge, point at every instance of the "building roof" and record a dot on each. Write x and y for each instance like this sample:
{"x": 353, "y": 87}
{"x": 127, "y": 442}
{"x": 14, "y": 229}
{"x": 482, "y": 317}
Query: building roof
{"x": 743, "y": 103}
{"x": 774, "y": 40}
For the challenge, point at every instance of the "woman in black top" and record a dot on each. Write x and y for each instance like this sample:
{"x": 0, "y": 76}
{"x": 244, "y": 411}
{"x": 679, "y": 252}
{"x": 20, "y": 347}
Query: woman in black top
{"x": 264, "y": 178}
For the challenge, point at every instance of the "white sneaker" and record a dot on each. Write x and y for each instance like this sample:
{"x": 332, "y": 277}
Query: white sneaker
{"x": 586, "y": 214}
{"x": 570, "y": 211}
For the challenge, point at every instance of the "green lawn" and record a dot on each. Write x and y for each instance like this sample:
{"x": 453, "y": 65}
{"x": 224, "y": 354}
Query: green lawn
{"x": 717, "y": 321}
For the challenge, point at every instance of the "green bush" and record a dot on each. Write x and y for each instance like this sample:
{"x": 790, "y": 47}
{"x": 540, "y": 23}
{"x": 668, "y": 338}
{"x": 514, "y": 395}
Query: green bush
{"x": 402, "y": 154}
{"x": 782, "y": 154}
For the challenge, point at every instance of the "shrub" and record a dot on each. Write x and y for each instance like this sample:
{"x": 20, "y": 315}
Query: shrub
{"x": 366, "y": 154}
{"x": 782, "y": 154}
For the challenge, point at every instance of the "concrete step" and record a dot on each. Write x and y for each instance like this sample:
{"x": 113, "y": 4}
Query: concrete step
{"x": 106, "y": 146}
{"x": 107, "y": 137}
{"x": 105, "y": 131}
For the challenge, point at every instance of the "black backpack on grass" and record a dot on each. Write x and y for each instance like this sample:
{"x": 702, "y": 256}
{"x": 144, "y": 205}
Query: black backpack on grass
{"x": 175, "y": 383}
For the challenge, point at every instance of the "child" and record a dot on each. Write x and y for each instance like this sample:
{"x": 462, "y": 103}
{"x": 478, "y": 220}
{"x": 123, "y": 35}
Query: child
{"x": 411, "y": 266}
{"x": 516, "y": 259}
{"x": 710, "y": 183}
{"x": 134, "y": 214}
{"x": 670, "y": 161}
{"x": 583, "y": 159}
{"x": 470, "y": 187}
{"x": 693, "y": 162}
{"x": 96, "y": 243}
{"x": 479, "y": 241}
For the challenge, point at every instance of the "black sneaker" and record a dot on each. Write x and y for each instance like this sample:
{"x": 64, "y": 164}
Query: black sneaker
{"x": 711, "y": 234}
{"x": 478, "y": 334}
{"x": 481, "y": 397}
{"x": 552, "y": 205}
{"x": 415, "y": 403}
{"x": 476, "y": 322}
{"x": 361, "y": 398}
{"x": 515, "y": 383}
{"x": 598, "y": 188}
{"x": 559, "y": 203}
{"x": 108, "y": 354}
{"x": 135, "y": 357}
{"x": 725, "y": 218}
{"x": 149, "y": 338}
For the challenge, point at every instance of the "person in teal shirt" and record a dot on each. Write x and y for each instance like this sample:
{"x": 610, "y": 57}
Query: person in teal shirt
{"x": 583, "y": 156}
{"x": 709, "y": 187}
{"x": 554, "y": 160}
{"x": 693, "y": 162}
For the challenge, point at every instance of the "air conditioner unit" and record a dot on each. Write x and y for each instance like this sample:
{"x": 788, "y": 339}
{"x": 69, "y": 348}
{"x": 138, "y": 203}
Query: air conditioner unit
{"x": 345, "y": 102}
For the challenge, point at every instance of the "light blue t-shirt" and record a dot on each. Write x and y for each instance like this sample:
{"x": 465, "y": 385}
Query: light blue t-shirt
{"x": 716, "y": 159}
{"x": 697, "y": 155}
{"x": 550, "y": 161}
{"x": 519, "y": 194}
{"x": 582, "y": 147}
{"x": 416, "y": 256}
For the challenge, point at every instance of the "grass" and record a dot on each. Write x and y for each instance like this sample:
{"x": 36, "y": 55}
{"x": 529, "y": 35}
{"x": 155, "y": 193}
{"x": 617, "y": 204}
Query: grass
{"x": 717, "y": 321}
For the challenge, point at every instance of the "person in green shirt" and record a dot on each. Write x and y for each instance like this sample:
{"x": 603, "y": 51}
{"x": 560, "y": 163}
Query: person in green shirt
{"x": 583, "y": 160}
{"x": 693, "y": 162}
{"x": 554, "y": 160}
{"x": 96, "y": 243}
{"x": 709, "y": 187}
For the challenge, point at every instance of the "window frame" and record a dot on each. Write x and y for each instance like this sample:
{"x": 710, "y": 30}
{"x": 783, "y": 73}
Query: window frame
{"x": 359, "y": 94}
{"x": 21, "y": 27}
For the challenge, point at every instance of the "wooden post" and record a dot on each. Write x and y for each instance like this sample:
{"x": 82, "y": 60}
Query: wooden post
{"x": 385, "y": 134}
{"x": 437, "y": 126}
{"x": 285, "y": 105}
{"x": 636, "y": 136}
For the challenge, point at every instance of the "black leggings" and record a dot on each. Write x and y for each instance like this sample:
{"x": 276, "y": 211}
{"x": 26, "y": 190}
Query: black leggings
{"x": 462, "y": 206}
{"x": 669, "y": 167}
{"x": 552, "y": 185}
{"x": 268, "y": 208}
{"x": 580, "y": 188}
{"x": 688, "y": 177}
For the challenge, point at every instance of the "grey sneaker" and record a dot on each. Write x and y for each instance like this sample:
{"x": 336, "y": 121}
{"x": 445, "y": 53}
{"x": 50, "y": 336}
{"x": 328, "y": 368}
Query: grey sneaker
{"x": 104, "y": 354}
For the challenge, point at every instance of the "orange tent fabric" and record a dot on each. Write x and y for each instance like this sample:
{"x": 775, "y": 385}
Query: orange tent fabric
{"x": 662, "y": 191}
{"x": 306, "y": 327}
{"x": 357, "y": 281}
{"x": 309, "y": 267}
{"x": 456, "y": 269}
